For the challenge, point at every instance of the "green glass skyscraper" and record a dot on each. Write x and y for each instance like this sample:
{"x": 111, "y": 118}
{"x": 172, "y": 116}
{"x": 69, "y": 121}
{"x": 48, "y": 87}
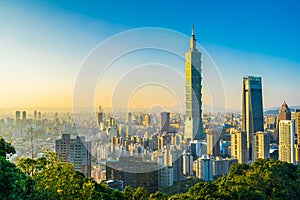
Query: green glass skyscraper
{"x": 252, "y": 109}
{"x": 193, "y": 122}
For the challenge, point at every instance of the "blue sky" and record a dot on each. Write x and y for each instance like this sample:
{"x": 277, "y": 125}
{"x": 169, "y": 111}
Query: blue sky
{"x": 43, "y": 43}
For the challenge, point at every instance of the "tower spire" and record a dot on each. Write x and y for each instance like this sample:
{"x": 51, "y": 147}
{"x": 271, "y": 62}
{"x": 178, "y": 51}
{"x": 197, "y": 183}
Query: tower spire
{"x": 193, "y": 30}
{"x": 193, "y": 40}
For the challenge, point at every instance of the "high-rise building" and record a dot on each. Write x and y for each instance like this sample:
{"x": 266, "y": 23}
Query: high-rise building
{"x": 287, "y": 141}
{"x": 239, "y": 146}
{"x": 35, "y": 115}
{"x": 284, "y": 113}
{"x": 204, "y": 168}
{"x": 260, "y": 145}
{"x": 129, "y": 118}
{"x": 24, "y": 115}
{"x": 221, "y": 166}
{"x": 193, "y": 122}
{"x": 198, "y": 148}
{"x": 297, "y": 124}
{"x": 39, "y": 116}
{"x": 164, "y": 121}
{"x": 75, "y": 151}
{"x": 165, "y": 176}
{"x": 18, "y": 119}
{"x": 213, "y": 142}
{"x": 100, "y": 118}
{"x": 134, "y": 172}
{"x": 147, "y": 120}
{"x": 252, "y": 108}
{"x": 187, "y": 160}
{"x": 297, "y": 132}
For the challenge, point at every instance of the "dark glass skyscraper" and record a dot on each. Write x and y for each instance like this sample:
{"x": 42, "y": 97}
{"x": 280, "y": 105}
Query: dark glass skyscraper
{"x": 193, "y": 123}
{"x": 252, "y": 108}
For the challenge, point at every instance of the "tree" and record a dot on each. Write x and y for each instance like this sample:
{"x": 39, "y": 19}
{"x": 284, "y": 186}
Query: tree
{"x": 12, "y": 181}
{"x": 30, "y": 166}
{"x": 6, "y": 148}
{"x": 140, "y": 194}
{"x": 158, "y": 196}
{"x": 128, "y": 192}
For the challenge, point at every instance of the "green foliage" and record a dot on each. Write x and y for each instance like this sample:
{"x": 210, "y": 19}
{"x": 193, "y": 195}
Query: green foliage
{"x": 6, "y": 148}
{"x": 158, "y": 196}
{"x": 30, "y": 166}
{"x": 140, "y": 194}
{"x": 263, "y": 179}
{"x": 50, "y": 178}
{"x": 179, "y": 186}
{"x": 12, "y": 181}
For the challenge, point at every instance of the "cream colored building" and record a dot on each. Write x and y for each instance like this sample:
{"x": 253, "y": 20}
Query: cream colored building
{"x": 287, "y": 141}
{"x": 260, "y": 145}
{"x": 239, "y": 146}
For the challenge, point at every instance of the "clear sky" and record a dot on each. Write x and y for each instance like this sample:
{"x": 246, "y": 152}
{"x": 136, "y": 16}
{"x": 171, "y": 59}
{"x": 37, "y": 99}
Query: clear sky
{"x": 43, "y": 43}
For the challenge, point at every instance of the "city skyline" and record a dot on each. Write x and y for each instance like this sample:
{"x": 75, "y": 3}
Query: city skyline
{"x": 44, "y": 45}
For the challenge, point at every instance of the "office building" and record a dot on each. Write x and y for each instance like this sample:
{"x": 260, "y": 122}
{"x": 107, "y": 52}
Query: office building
{"x": 164, "y": 121}
{"x": 287, "y": 141}
{"x": 147, "y": 120}
{"x": 193, "y": 123}
{"x": 252, "y": 108}
{"x": 261, "y": 145}
{"x": 284, "y": 113}
{"x": 18, "y": 119}
{"x": 297, "y": 125}
{"x": 221, "y": 166}
{"x": 204, "y": 168}
{"x": 165, "y": 177}
{"x": 297, "y": 132}
{"x": 187, "y": 160}
{"x": 76, "y": 151}
{"x": 239, "y": 146}
{"x": 133, "y": 172}
{"x": 213, "y": 142}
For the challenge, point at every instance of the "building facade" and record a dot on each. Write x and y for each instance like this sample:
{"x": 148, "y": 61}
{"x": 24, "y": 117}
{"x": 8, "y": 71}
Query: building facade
{"x": 287, "y": 141}
{"x": 239, "y": 146}
{"x": 164, "y": 122}
{"x": 134, "y": 172}
{"x": 261, "y": 145}
{"x": 252, "y": 108}
{"x": 204, "y": 168}
{"x": 75, "y": 151}
{"x": 193, "y": 122}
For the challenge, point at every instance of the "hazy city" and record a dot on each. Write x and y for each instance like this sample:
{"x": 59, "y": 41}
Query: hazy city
{"x": 100, "y": 102}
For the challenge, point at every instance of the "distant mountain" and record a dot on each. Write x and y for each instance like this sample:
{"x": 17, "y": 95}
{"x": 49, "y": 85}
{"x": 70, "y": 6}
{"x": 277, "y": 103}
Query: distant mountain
{"x": 275, "y": 110}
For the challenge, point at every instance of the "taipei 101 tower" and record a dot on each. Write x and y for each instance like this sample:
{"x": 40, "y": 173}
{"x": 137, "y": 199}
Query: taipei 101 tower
{"x": 193, "y": 122}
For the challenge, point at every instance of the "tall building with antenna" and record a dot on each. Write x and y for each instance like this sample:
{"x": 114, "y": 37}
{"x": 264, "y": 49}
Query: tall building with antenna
{"x": 193, "y": 123}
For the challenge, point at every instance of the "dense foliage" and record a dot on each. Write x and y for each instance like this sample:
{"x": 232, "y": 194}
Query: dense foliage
{"x": 50, "y": 178}
{"x": 179, "y": 186}
{"x": 263, "y": 179}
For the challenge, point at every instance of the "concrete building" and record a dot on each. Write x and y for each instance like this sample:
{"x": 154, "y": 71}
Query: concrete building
{"x": 284, "y": 113}
{"x": 213, "y": 142}
{"x": 287, "y": 141}
{"x": 239, "y": 146}
{"x": 134, "y": 172}
{"x": 252, "y": 109}
{"x": 204, "y": 168}
{"x": 261, "y": 145}
{"x": 193, "y": 122}
{"x": 221, "y": 166}
{"x": 187, "y": 160}
{"x": 18, "y": 119}
{"x": 164, "y": 122}
{"x": 166, "y": 176}
{"x": 75, "y": 151}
